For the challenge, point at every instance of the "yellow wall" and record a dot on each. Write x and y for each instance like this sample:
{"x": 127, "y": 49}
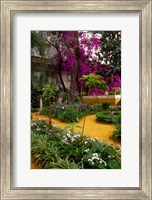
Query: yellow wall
{"x": 93, "y": 100}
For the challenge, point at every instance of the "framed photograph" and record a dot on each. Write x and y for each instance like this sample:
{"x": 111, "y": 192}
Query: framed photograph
{"x": 76, "y": 99}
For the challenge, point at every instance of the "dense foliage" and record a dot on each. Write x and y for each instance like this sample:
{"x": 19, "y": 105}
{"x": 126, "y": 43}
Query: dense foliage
{"x": 80, "y": 53}
{"x": 108, "y": 117}
{"x": 117, "y": 131}
{"x": 72, "y": 112}
{"x": 65, "y": 149}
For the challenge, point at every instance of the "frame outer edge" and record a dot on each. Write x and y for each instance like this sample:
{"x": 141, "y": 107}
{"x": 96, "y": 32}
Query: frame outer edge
{"x": 146, "y": 100}
{"x": 77, "y": 5}
{"x": 2, "y": 109}
{"x": 5, "y": 111}
{"x": 5, "y": 100}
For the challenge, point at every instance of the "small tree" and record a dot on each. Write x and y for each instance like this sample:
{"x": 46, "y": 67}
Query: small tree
{"x": 93, "y": 81}
{"x": 48, "y": 93}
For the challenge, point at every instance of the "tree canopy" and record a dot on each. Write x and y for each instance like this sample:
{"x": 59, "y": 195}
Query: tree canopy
{"x": 81, "y": 53}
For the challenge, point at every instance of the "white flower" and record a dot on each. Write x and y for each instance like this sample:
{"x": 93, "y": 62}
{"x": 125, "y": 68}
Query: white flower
{"x": 86, "y": 150}
{"x": 90, "y": 160}
{"x": 72, "y": 139}
{"x": 102, "y": 161}
{"x": 95, "y": 154}
{"x": 92, "y": 163}
{"x": 95, "y": 158}
{"x": 77, "y": 135}
{"x": 85, "y": 142}
{"x": 68, "y": 135}
{"x": 65, "y": 141}
{"x": 62, "y": 107}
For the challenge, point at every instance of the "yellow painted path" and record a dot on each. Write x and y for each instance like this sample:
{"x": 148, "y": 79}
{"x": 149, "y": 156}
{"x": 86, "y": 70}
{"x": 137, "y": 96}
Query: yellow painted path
{"x": 91, "y": 128}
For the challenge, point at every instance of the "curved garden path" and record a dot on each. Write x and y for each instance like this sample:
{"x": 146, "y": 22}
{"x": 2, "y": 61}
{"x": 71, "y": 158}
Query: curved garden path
{"x": 92, "y": 128}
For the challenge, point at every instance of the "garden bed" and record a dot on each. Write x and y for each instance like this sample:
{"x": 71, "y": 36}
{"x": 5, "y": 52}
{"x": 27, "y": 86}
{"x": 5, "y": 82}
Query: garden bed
{"x": 71, "y": 112}
{"x": 92, "y": 128}
{"x": 65, "y": 149}
{"x": 107, "y": 116}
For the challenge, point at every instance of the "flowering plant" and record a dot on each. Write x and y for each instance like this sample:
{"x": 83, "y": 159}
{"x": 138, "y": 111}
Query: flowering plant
{"x": 85, "y": 152}
{"x": 40, "y": 126}
{"x": 72, "y": 112}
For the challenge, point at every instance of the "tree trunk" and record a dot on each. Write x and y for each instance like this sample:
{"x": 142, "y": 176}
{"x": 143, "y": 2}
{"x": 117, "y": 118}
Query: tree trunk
{"x": 49, "y": 112}
{"x": 41, "y": 103}
{"x": 60, "y": 75}
{"x": 73, "y": 84}
{"x": 60, "y": 69}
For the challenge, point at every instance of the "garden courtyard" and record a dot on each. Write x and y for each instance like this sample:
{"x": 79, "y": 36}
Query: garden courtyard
{"x": 76, "y": 100}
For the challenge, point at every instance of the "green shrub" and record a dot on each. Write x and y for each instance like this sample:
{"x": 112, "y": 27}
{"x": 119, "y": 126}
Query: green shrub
{"x": 105, "y": 105}
{"x": 101, "y": 155}
{"x": 110, "y": 93}
{"x": 115, "y": 108}
{"x": 65, "y": 149}
{"x": 72, "y": 112}
{"x": 40, "y": 126}
{"x": 108, "y": 116}
{"x": 68, "y": 114}
{"x": 117, "y": 132}
{"x": 47, "y": 155}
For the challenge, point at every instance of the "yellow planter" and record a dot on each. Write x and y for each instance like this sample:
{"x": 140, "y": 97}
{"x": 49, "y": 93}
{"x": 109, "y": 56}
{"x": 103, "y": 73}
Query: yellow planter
{"x": 112, "y": 99}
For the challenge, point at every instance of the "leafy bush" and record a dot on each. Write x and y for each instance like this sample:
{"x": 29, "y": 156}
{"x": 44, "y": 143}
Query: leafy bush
{"x": 65, "y": 149}
{"x": 39, "y": 126}
{"x": 47, "y": 155}
{"x": 115, "y": 108}
{"x": 108, "y": 116}
{"x": 101, "y": 155}
{"x": 117, "y": 132}
{"x": 105, "y": 105}
{"x": 68, "y": 114}
{"x": 72, "y": 112}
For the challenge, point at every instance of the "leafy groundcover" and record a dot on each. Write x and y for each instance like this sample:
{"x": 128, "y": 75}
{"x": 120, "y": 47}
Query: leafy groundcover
{"x": 64, "y": 149}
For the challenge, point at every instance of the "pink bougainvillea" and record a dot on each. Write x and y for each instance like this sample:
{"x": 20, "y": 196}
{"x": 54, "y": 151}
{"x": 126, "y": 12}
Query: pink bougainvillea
{"x": 89, "y": 57}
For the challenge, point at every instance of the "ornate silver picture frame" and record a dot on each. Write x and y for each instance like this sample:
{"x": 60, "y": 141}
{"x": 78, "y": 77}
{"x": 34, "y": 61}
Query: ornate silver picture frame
{"x": 8, "y": 9}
